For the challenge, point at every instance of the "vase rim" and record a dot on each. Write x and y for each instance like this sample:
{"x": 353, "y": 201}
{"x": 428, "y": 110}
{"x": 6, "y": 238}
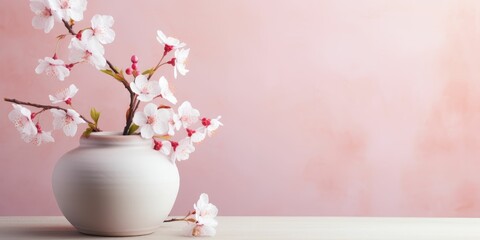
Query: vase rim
{"x": 113, "y": 138}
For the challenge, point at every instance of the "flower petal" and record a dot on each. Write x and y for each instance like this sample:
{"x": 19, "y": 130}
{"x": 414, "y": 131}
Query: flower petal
{"x": 146, "y": 131}
{"x": 70, "y": 129}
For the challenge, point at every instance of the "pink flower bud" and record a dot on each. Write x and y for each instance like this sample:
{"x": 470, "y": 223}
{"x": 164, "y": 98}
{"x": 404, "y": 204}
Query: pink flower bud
{"x": 70, "y": 66}
{"x": 33, "y": 115}
{"x": 55, "y": 56}
{"x": 128, "y": 71}
{"x": 68, "y": 101}
{"x": 134, "y": 59}
{"x": 134, "y": 66}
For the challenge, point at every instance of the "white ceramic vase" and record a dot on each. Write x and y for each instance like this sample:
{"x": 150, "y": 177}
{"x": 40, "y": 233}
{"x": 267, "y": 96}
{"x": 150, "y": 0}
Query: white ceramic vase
{"x": 114, "y": 185}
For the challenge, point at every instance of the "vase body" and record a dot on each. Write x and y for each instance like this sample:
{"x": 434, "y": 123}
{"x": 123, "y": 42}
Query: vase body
{"x": 113, "y": 185}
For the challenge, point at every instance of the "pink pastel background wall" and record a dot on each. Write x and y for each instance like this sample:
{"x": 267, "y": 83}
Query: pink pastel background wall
{"x": 341, "y": 107}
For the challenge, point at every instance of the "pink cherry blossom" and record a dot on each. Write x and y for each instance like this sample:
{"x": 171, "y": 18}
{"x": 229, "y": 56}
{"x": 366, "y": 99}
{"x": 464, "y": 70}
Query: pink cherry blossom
{"x": 21, "y": 117}
{"x": 101, "y": 29}
{"x": 44, "y": 18}
{"x": 53, "y": 67}
{"x": 68, "y": 9}
{"x": 88, "y": 50}
{"x": 146, "y": 90}
{"x": 64, "y": 95}
{"x": 67, "y": 121}
{"x": 188, "y": 115}
{"x": 152, "y": 120}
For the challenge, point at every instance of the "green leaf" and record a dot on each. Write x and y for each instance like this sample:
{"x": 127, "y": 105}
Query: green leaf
{"x": 116, "y": 69}
{"x": 118, "y": 76}
{"x": 87, "y": 132}
{"x": 95, "y": 115}
{"x": 109, "y": 72}
{"x": 147, "y": 72}
{"x": 134, "y": 127}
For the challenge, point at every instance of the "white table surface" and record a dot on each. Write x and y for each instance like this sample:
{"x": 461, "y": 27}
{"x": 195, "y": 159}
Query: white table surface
{"x": 345, "y": 228}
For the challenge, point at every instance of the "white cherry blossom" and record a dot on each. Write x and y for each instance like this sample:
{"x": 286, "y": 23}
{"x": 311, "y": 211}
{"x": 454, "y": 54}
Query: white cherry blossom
{"x": 146, "y": 90}
{"x": 101, "y": 29}
{"x": 170, "y": 41}
{"x": 174, "y": 123}
{"x": 67, "y": 121}
{"x": 64, "y": 95}
{"x": 188, "y": 115}
{"x": 211, "y": 125}
{"x": 152, "y": 120}
{"x": 21, "y": 117}
{"x": 205, "y": 213}
{"x": 164, "y": 147}
{"x": 182, "y": 150}
{"x": 68, "y": 9}
{"x": 38, "y": 138}
{"x": 44, "y": 18}
{"x": 197, "y": 135}
{"x": 181, "y": 56}
{"x": 165, "y": 91}
{"x": 87, "y": 50}
{"x": 52, "y": 67}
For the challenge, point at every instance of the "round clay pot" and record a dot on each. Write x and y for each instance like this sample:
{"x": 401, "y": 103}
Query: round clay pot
{"x": 114, "y": 185}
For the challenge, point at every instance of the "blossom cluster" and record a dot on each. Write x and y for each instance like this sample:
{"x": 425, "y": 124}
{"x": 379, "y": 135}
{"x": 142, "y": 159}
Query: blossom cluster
{"x": 202, "y": 220}
{"x": 205, "y": 214}
{"x": 156, "y": 122}
{"x": 85, "y": 46}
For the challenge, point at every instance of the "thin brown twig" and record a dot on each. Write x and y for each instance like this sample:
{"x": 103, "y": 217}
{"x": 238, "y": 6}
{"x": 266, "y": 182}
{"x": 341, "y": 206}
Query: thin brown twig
{"x": 180, "y": 219}
{"x": 156, "y": 67}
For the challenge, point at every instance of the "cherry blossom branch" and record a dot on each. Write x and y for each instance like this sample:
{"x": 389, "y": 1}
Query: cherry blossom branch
{"x": 69, "y": 27}
{"x": 131, "y": 109}
{"x": 156, "y": 67}
{"x": 111, "y": 67}
{"x": 181, "y": 219}
{"x": 186, "y": 219}
{"x": 72, "y": 32}
{"x": 46, "y": 107}
{"x": 130, "y": 113}
{"x": 130, "y": 117}
{"x": 134, "y": 103}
